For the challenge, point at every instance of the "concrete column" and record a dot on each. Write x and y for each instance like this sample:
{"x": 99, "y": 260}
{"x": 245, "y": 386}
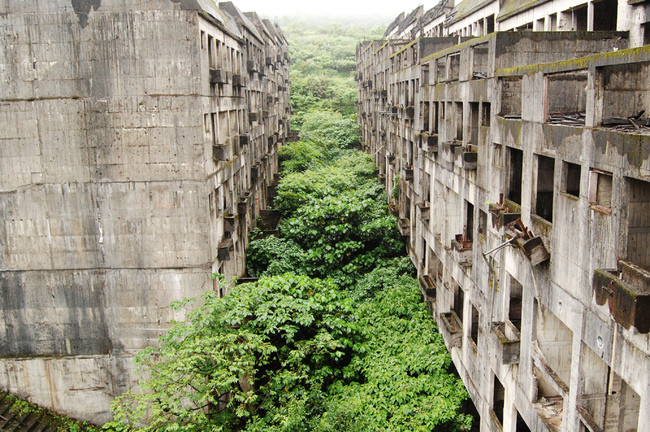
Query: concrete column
{"x": 590, "y": 16}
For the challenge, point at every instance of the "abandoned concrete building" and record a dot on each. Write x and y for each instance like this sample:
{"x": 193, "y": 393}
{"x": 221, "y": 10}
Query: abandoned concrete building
{"x": 522, "y": 162}
{"x": 137, "y": 148}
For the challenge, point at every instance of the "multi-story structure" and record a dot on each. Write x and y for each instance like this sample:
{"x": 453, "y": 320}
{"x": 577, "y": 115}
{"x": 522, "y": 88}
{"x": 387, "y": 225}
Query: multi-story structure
{"x": 137, "y": 146}
{"x": 522, "y": 161}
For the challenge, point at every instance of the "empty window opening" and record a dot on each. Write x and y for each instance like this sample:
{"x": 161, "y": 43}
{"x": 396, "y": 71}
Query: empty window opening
{"x": 490, "y": 24}
{"x": 459, "y": 121}
{"x": 213, "y": 127}
{"x": 474, "y": 113}
{"x": 459, "y": 300}
{"x": 638, "y": 223}
{"x": 580, "y": 18}
{"x": 544, "y": 195}
{"x": 514, "y": 306}
{"x": 571, "y": 179}
{"x": 515, "y": 161}
{"x": 434, "y": 108}
{"x": 626, "y": 94}
{"x": 473, "y": 333}
{"x": 646, "y": 33}
{"x": 552, "y": 22}
{"x": 510, "y": 97}
{"x": 566, "y": 98}
{"x": 555, "y": 341}
{"x": 485, "y": 114}
{"x": 210, "y": 54}
{"x": 539, "y": 25}
{"x": 425, "y": 74}
{"x": 521, "y": 425}
{"x": 480, "y": 61}
{"x": 605, "y": 15}
{"x": 454, "y": 67}
{"x": 469, "y": 222}
{"x": 425, "y": 116}
{"x": 600, "y": 190}
{"x": 498, "y": 399}
{"x": 441, "y": 69}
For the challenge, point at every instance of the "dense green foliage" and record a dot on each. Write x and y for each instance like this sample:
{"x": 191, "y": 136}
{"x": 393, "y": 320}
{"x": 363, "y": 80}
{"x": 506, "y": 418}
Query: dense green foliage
{"x": 333, "y": 336}
{"x": 323, "y": 67}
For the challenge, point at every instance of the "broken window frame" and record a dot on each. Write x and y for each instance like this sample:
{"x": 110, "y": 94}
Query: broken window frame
{"x": 598, "y": 180}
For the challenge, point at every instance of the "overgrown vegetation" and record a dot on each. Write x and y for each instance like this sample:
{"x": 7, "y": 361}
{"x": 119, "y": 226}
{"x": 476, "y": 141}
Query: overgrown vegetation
{"x": 323, "y": 66}
{"x": 333, "y": 336}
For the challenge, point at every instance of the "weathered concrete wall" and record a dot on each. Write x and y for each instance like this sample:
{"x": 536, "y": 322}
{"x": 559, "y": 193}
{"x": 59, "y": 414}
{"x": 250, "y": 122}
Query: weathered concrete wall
{"x": 113, "y": 203}
{"x": 541, "y": 344}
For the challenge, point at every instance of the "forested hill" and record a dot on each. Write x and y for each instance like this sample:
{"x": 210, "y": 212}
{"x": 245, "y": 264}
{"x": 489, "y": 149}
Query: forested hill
{"x": 323, "y": 67}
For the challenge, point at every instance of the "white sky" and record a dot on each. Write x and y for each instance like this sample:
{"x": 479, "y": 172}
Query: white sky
{"x": 346, "y": 8}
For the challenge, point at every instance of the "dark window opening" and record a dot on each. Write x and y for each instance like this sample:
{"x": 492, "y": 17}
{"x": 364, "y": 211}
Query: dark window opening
{"x": 498, "y": 398}
{"x": 514, "y": 307}
{"x": 485, "y": 115}
{"x": 646, "y": 33}
{"x": 435, "y": 117}
{"x": 521, "y": 424}
{"x": 571, "y": 173}
{"x": 469, "y": 222}
{"x": 605, "y": 15}
{"x": 425, "y": 116}
{"x": 459, "y": 299}
{"x": 544, "y": 196}
{"x": 473, "y": 334}
{"x": 490, "y": 24}
{"x": 425, "y": 74}
{"x": 210, "y": 55}
{"x": 474, "y": 112}
{"x": 580, "y": 19}
{"x": 516, "y": 158}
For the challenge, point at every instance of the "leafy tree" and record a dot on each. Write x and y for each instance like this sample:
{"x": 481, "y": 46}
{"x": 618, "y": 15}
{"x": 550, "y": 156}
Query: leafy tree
{"x": 260, "y": 358}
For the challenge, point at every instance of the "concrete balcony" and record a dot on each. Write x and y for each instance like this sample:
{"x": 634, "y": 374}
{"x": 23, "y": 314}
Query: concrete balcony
{"x": 428, "y": 288}
{"x": 461, "y": 250}
{"x": 218, "y": 76}
{"x": 503, "y": 214}
{"x": 225, "y": 247}
{"x": 451, "y": 329}
{"x": 423, "y": 210}
{"x": 470, "y": 158}
{"x": 627, "y": 292}
{"x": 508, "y": 338}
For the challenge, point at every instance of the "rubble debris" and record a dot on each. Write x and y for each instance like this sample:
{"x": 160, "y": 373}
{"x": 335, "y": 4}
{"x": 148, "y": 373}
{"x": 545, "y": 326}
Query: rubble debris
{"x": 575, "y": 119}
{"x": 532, "y": 245}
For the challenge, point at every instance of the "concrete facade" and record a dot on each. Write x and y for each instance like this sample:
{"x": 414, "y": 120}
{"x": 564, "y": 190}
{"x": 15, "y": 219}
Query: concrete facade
{"x": 137, "y": 148}
{"x": 481, "y": 17}
{"x": 520, "y": 165}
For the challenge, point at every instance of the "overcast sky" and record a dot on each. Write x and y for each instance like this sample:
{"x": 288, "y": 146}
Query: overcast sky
{"x": 346, "y": 8}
